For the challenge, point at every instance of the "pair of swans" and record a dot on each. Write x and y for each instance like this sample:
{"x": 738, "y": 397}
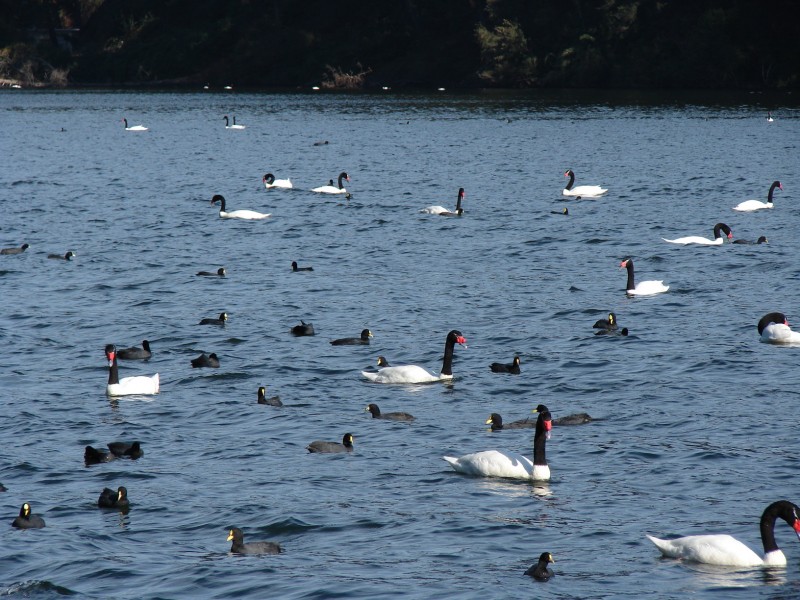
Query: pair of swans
{"x": 270, "y": 182}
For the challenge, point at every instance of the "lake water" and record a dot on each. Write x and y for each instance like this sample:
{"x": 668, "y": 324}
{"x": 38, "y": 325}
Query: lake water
{"x": 699, "y": 420}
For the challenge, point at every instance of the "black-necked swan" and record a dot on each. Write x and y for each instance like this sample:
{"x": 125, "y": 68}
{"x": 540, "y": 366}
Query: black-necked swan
{"x": 725, "y": 550}
{"x": 114, "y": 499}
{"x": 270, "y": 182}
{"x": 441, "y": 210}
{"x": 416, "y": 374}
{"x": 218, "y": 273}
{"x": 774, "y": 329}
{"x": 238, "y": 546}
{"x": 27, "y": 520}
{"x": 363, "y": 339}
{"x": 587, "y": 191}
{"x": 643, "y": 288}
{"x": 136, "y": 353}
{"x": 696, "y": 239}
{"x": 751, "y": 205}
{"x": 236, "y": 214}
{"x": 270, "y": 400}
{"x": 392, "y": 416}
{"x": 127, "y": 386}
{"x": 540, "y": 571}
{"x": 499, "y": 463}
{"x": 761, "y": 240}
{"x": 323, "y": 447}
{"x": 332, "y": 189}
{"x": 512, "y": 367}
{"x": 234, "y": 126}
{"x": 133, "y": 127}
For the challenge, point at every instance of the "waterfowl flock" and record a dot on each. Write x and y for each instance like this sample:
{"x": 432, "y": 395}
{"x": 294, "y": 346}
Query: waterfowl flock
{"x": 502, "y": 463}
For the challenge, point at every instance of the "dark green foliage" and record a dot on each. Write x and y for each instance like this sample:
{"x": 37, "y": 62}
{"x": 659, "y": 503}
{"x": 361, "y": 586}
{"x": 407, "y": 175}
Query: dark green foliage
{"x": 503, "y": 43}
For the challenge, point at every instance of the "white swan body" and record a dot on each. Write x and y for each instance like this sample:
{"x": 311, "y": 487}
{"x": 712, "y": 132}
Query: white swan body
{"x": 415, "y": 374}
{"x": 510, "y": 465}
{"x": 332, "y": 189}
{"x": 237, "y": 214}
{"x": 696, "y": 239}
{"x": 140, "y": 385}
{"x": 585, "y": 191}
{"x": 643, "y": 288}
{"x": 441, "y": 210}
{"x": 234, "y": 126}
{"x": 270, "y": 182}
{"x": 133, "y": 127}
{"x": 774, "y": 329}
{"x": 725, "y": 550}
{"x": 751, "y": 205}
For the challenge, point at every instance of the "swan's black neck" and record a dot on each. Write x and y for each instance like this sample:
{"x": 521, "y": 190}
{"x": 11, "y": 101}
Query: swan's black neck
{"x": 269, "y": 178}
{"x": 221, "y": 199}
{"x": 226, "y": 120}
{"x": 785, "y": 510}
{"x": 571, "y": 180}
{"x": 772, "y": 189}
{"x": 113, "y": 370}
{"x": 126, "y": 126}
{"x": 630, "y": 285}
{"x": 543, "y": 423}
{"x": 458, "y": 202}
{"x": 773, "y": 317}
{"x": 719, "y": 227}
{"x": 341, "y": 176}
{"x": 449, "y": 345}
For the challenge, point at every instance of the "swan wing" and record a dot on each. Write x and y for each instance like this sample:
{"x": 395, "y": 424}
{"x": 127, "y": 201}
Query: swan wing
{"x": 779, "y": 333}
{"x": 243, "y": 214}
{"x": 434, "y": 210}
{"x": 493, "y": 463}
{"x": 648, "y": 288}
{"x": 695, "y": 239}
{"x": 134, "y": 386}
{"x": 402, "y": 374}
{"x": 721, "y": 550}
{"x": 329, "y": 189}
{"x": 587, "y": 191}
{"x": 750, "y": 205}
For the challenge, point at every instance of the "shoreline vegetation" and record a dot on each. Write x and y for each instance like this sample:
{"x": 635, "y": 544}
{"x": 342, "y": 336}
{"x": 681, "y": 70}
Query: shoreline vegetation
{"x": 367, "y": 45}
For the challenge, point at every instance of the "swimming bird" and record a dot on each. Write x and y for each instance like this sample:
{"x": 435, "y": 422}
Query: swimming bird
{"x": 644, "y": 288}
{"x": 234, "y": 126}
{"x": 135, "y": 353}
{"x": 111, "y": 499}
{"x": 761, "y": 240}
{"x": 506, "y": 368}
{"x": 295, "y": 268}
{"x": 774, "y": 329}
{"x": 332, "y": 447}
{"x": 239, "y": 547}
{"x": 496, "y": 421}
{"x": 540, "y": 571}
{"x": 416, "y": 374}
{"x": 769, "y": 117}
{"x": 725, "y": 550}
{"x": 392, "y": 416}
{"x": 249, "y": 215}
{"x": 12, "y": 251}
{"x": 223, "y": 316}
{"x": 218, "y": 273}
{"x": 330, "y": 188}
{"x": 321, "y": 143}
{"x": 68, "y": 256}
{"x": 751, "y": 205}
{"x": 206, "y": 360}
{"x": 354, "y": 341}
{"x": 127, "y": 386}
{"x": 303, "y": 329}
{"x": 27, "y": 520}
{"x": 573, "y": 419}
{"x": 588, "y": 191}
{"x": 263, "y": 399}
{"x": 132, "y": 450}
{"x": 564, "y": 211}
{"x": 621, "y": 332}
{"x": 696, "y": 239}
{"x": 94, "y": 456}
{"x": 269, "y": 181}
{"x": 134, "y": 127}
{"x": 441, "y": 210}
{"x": 609, "y": 323}
{"x": 499, "y": 463}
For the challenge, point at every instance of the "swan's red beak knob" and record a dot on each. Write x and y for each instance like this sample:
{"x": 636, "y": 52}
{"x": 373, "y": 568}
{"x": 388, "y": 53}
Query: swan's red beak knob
{"x": 462, "y": 340}
{"x": 796, "y": 526}
{"x": 730, "y": 236}
{"x": 110, "y": 356}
